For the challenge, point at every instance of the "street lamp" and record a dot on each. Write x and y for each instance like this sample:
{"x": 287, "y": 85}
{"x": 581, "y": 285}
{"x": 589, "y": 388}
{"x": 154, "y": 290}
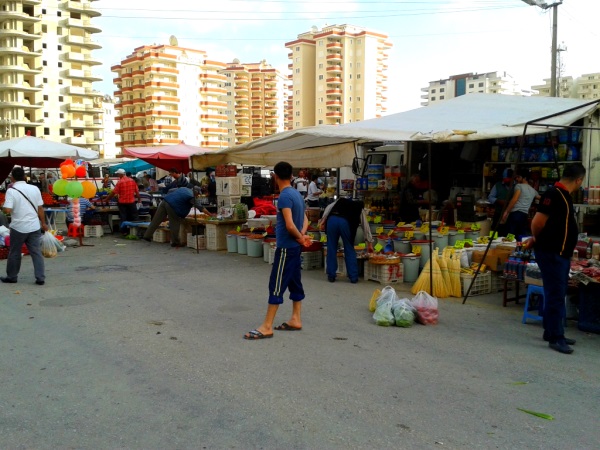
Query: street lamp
{"x": 542, "y": 4}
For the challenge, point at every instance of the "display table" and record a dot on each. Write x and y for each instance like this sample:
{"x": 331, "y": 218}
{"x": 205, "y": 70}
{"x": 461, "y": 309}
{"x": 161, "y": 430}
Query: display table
{"x": 107, "y": 214}
{"x": 51, "y": 214}
{"x": 215, "y": 230}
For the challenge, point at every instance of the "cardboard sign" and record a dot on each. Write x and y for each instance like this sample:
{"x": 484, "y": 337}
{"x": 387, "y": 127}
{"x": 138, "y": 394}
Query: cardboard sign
{"x": 362, "y": 246}
{"x": 458, "y": 224}
{"x": 390, "y": 232}
{"x": 377, "y": 219}
{"x": 475, "y": 227}
{"x": 443, "y": 230}
{"x": 379, "y": 230}
{"x": 459, "y": 244}
{"x": 494, "y": 235}
{"x": 460, "y": 231}
{"x": 399, "y": 224}
{"x": 323, "y": 238}
{"x": 409, "y": 234}
{"x": 510, "y": 237}
{"x": 425, "y": 229}
{"x": 378, "y": 247}
{"x": 416, "y": 249}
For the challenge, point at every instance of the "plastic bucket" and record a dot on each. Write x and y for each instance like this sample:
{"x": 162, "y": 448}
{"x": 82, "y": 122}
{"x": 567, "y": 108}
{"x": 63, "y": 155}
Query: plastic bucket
{"x": 411, "y": 268}
{"x": 440, "y": 241}
{"x": 418, "y": 235}
{"x": 242, "y": 245}
{"x": 424, "y": 250}
{"x": 254, "y": 247}
{"x": 472, "y": 235}
{"x": 232, "y": 246}
{"x": 266, "y": 247}
{"x": 401, "y": 246}
{"x": 452, "y": 238}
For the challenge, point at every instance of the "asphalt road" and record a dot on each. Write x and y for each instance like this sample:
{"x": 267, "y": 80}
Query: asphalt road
{"x": 132, "y": 345}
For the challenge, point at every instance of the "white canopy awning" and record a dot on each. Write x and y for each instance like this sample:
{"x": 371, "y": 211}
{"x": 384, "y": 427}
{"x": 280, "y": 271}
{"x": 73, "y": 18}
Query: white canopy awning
{"x": 467, "y": 118}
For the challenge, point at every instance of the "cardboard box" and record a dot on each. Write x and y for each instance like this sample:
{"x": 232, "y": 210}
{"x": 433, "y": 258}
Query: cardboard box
{"x": 494, "y": 260}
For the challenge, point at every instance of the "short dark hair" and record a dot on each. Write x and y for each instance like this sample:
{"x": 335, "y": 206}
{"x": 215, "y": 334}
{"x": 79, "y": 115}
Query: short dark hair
{"x": 283, "y": 170}
{"x": 573, "y": 171}
{"x": 314, "y": 177}
{"x": 174, "y": 170}
{"x": 18, "y": 174}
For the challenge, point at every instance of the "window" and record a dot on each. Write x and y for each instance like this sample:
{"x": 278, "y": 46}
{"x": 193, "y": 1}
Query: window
{"x": 297, "y": 113}
{"x": 297, "y": 59}
{"x": 297, "y": 49}
{"x": 61, "y": 115}
{"x": 442, "y": 89}
{"x": 471, "y": 86}
{"x": 44, "y": 63}
{"x": 44, "y": 45}
{"x": 60, "y": 98}
{"x": 297, "y": 70}
{"x": 297, "y": 102}
{"x": 433, "y": 99}
{"x": 480, "y": 84}
{"x": 357, "y": 110}
{"x": 61, "y": 132}
{"x": 45, "y": 80}
{"x": 58, "y": 13}
{"x": 60, "y": 81}
{"x": 45, "y": 97}
{"x": 59, "y": 64}
{"x": 297, "y": 124}
{"x": 46, "y": 115}
{"x": 320, "y": 77}
{"x": 320, "y": 43}
{"x": 44, "y": 11}
{"x": 320, "y": 122}
{"x": 60, "y": 47}
{"x": 358, "y": 99}
{"x": 358, "y": 76}
{"x": 349, "y": 99}
{"x": 46, "y": 131}
{"x": 350, "y": 76}
{"x": 433, "y": 91}
{"x": 441, "y": 97}
{"x": 358, "y": 41}
{"x": 320, "y": 66}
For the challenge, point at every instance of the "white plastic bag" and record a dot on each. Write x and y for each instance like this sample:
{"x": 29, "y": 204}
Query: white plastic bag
{"x": 426, "y": 307}
{"x": 383, "y": 314}
{"x": 49, "y": 249}
{"x": 404, "y": 313}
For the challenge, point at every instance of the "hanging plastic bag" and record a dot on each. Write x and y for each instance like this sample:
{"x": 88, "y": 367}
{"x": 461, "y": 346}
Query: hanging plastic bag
{"x": 49, "y": 249}
{"x": 426, "y": 307}
{"x": 404, "y": 313}
{"x": 383, "y": 314}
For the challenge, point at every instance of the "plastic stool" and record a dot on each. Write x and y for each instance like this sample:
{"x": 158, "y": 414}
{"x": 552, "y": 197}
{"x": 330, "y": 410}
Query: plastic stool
{"x": 533, "y": 289}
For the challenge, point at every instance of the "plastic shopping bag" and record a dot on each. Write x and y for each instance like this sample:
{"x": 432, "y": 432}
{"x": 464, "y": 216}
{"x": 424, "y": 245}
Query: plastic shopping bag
{"x": 49, "y": 249}
{"x": 426, "y": 307}
{"x": 404, "y": 313}
{"x": 383, "y": 314}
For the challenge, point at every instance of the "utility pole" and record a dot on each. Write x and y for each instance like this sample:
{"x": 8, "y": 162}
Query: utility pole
{"x": 542, "y": 4}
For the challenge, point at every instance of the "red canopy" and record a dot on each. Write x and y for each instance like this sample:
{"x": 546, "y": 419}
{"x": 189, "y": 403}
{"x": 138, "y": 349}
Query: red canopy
{"x": 167, "y": 156}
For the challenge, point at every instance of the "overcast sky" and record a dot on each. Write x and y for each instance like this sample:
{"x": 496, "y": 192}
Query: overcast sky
{"x": 432, "y": 39}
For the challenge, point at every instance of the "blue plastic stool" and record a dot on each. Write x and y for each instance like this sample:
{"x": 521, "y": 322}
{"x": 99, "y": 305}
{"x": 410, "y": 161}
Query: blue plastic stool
{"x": 533, "y": 289}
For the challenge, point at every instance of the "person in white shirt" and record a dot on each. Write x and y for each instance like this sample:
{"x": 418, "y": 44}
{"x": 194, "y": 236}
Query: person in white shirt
{"x": 25, "y": 205}
{"x": 313, "y": 192}
{"x": 301, "y": 183}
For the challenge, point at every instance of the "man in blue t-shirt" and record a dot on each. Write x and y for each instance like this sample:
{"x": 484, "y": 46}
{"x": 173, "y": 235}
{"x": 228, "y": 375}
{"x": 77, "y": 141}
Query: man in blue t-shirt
{"x": 291, "y": 227}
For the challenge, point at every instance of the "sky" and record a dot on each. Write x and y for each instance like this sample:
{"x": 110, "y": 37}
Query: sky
{"x": 432, "y": 39}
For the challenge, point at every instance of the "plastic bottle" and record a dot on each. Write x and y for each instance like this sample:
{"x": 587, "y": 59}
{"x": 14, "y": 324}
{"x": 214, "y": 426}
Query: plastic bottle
{"x": 596, "y": 250}
{"x": 575, "y": 255}
{"x": 593, "y": 195}
{"x": 585, "y": 195}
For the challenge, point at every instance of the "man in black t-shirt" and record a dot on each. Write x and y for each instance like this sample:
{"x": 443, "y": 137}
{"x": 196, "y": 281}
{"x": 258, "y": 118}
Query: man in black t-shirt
{"x": 554, "y": 230}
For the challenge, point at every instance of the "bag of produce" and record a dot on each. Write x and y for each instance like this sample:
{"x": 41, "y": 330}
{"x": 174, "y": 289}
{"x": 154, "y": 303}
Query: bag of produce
{"x": 426, "y": 307}
{"x": 49, "y": 249}
{"x": 404, "y": 313}
{"x": 383, "y": 313}
{"x": 373, "y": 301}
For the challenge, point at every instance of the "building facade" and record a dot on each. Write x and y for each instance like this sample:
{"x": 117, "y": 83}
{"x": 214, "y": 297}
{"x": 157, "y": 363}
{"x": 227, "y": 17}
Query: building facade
{"x": 168, "y": 94}
{"x": 585, "y": 87}
{"x": 338, "y": 75}
{"x": 254, "y": 101}
{"x": 46, "y": 71}
{"x": 469, "y": 83}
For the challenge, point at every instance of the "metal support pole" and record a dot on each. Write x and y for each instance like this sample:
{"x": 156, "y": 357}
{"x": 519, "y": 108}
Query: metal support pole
{"x": 553, "y": 80}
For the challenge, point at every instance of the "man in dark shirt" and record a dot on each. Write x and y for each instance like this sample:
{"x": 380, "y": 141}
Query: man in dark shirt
{"x": 179, "y": 181}
{"x": 554, "y": 230}
{"x": 410, "y": 201}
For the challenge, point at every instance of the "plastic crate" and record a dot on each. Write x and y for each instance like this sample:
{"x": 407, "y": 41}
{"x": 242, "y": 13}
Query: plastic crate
{"x": 161, "y": 236}
{"x": 483, "y": 283}
{"x": 93, "y": 231}
{"x": 197, "y": 242}
{"x": 384, "y": 273}
{"x": 216, "y": 236}
{"x": 341, "y": 270}
{"x": 311, "y": 260}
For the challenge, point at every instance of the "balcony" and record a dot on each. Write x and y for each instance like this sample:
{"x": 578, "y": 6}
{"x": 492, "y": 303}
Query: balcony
{"x": 25, "y": 87}
{"x": 214, "y": 77}
{"x": 334, "y": 69}
{"x": 162, "y": 127}
{"x": 241, "y": 115}
{"x": 22, "y": 50}
{"x": 239, "y": 88}
{"x": 213, "y": 131}
{"x": 333, "y": 103}
{"x": 213, "y": 90}
{"x": 334, "y": 45}
{"x": 76, "y": 140}
{"x": 24, "y": 34}
{"x": 243, "y": 126}
{"x": 334, "y": 80}
{"x": 83, "y": 7}
{"x": 17, "y": 15}
{"x": 241, "y": 79}
{"x": 161, "y": 70}
{"x": 79, "y": 23}
{"x": 91, "y": 124}
{"x": 334, "y": 92}
{"x": 334, "y": 114}
{"x": 19, "y": 69}
{"x": 161, "y": 99}
{"x": 213, "y": 117}
{"x": 81, "y": 74}
{"x": 334, "y": 57}
{"x": 257, "y": 134}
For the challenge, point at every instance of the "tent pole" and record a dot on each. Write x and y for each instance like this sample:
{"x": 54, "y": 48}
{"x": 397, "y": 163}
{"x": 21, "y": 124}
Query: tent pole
{"x": 430, "y": 224}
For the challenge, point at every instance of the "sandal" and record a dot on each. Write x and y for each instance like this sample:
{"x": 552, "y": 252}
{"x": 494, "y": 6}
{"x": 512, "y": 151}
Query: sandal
{"x": 255, "y": 335}
{"x": 286, "y": 327}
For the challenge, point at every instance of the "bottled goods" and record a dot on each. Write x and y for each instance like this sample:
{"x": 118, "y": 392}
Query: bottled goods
{"x": 575, "y": 255}
{"x": 596, "y": 250}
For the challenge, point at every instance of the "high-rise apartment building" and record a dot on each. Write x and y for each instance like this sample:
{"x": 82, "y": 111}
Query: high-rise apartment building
{"x": 254, "y": 101}
{"x": 337, "y": 76}
{"x": 167, "y": 94}
{"x": 585, "y": 87}
{"x": 469, "y": 83}
{"x": 46, "y": 75}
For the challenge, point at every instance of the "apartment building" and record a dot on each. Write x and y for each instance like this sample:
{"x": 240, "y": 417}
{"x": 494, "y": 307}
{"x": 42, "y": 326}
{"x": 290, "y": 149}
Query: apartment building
{"x": 46, "y": 71}
{"x": 338, "y": 75}
{"x": 585, "y": 87}
{"x": 255, "y": 101}
{"x": 468, "y": 83}
{"x": 110, "y": 128}
{"x": 167, "y": 94}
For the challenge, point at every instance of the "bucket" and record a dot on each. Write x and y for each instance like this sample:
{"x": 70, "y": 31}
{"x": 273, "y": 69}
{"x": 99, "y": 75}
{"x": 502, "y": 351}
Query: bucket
{"x": 452, "y": 238}
{"x": 424, "y": 251}
{"x": 472, "y": 235}
{"x": 254, "y": 247}
{"x": 418, "y": 235}
{"x": 411, "y": 268}
{"x": 242, "y": 245}
{"x": 373, "y": 227}
{"x": 401, "y": 246}
{"x": 266, "y": 246}
{"x": 440, "y": 241}
{"x": 232, "y": 246}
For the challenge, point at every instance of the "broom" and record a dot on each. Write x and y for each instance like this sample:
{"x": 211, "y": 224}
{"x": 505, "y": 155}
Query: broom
{"x": 454, "y": 270}
{"x": 439, "y": 287}
{"x": 442, "y": 261}
{"x": 423, "y": 284}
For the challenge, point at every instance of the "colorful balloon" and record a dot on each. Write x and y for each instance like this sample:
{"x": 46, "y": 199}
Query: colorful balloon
{"x": 89, "y": 189}
{"x": 67, "y": 171}
{"x": 67, "y": 162}
{"x": 60, "y": 187}
{"x": 80, "y": 171}
{"x": 74, "y": 189}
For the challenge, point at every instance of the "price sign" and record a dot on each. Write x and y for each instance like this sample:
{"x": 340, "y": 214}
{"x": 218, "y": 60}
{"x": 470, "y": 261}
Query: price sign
{"x": 460, "y": 231}
{"x": 390, "y": 232}
{"x": 378, "y": 247}
{"x": 265, "y": 234}
{"x": 443, "y": 230}
{"x": 469, "y": 241}
{"x": 425, "y": 229}
{"x": 408, "y": 234}
{"x": 369, "y": 219}
{"x": 458, "y": 224}
{"x": 459, "y": 244}
{"x": 494, "y": 235}
{"x": 251, "y": 229}
{"x": 377, "y": 219}
{"x": 379, "y": 230}
{"x": 510, "y": 237}
{"x": 238, "y": 229}
{"x": 362, "y": 246}
{"x": 399, "y": 224}
{"x": 475, "y": 227}
{"x": 416, "y": 249}
{"x": 323, "y": 238}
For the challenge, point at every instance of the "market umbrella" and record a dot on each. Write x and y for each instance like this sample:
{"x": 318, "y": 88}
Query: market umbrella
{"x": 167, "y": 156}
{"x": 31, "y": 151}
